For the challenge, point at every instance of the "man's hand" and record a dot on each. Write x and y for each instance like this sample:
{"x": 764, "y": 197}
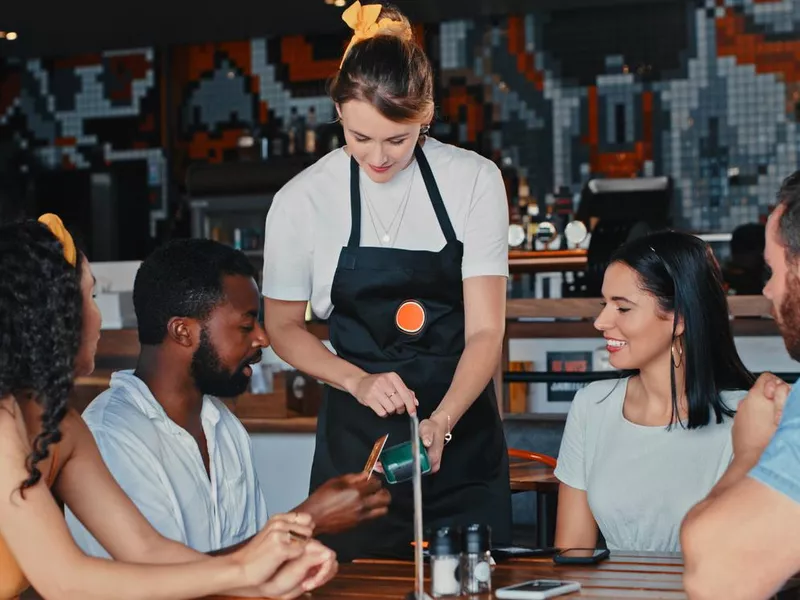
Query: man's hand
{"x": 778, "y": 391}
{"x": 758, "y": 416}
{"x": 343, "y": 502}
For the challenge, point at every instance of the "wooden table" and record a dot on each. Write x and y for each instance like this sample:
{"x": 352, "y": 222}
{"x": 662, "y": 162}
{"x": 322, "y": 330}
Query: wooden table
{"x": 532, "y": 477}
{"x": 629, "y": 576}
{"x": 625, "y": 575}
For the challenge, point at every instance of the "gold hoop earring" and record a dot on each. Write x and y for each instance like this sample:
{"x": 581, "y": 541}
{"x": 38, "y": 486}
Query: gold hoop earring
{"x": 680, "y": 355}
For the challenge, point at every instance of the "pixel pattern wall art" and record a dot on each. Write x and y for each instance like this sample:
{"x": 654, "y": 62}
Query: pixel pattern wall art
{"x": 81, "y": 111}
{"x": 229, "y": 90}
{"x": 705, "y": 91}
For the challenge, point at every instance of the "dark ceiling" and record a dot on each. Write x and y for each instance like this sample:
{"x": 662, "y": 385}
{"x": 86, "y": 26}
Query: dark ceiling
{"x": 49, "y": 28}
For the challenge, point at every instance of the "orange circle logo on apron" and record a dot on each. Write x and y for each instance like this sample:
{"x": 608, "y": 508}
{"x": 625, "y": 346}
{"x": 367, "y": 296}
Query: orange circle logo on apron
{"x": 410, "y": 317}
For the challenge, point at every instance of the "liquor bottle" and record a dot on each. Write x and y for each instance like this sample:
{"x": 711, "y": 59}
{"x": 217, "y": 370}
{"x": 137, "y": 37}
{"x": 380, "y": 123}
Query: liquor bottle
{"x": 311, "y": 131}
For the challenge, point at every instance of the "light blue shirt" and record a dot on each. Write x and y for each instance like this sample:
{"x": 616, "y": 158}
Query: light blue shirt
{"x": 158, "y": 465}
{"x": 779, "y": 467}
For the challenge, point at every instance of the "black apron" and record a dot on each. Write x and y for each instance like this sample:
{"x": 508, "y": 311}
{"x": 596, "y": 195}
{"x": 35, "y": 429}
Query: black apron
{"x": 369, "y": 287}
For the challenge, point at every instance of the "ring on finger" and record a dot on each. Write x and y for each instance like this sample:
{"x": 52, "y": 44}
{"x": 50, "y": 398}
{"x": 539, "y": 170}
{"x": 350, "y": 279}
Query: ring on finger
{"x": 392, "y": 394}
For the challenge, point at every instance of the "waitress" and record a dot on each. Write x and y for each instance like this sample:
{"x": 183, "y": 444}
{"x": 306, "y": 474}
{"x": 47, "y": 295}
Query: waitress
{"x": 400, "y": 241}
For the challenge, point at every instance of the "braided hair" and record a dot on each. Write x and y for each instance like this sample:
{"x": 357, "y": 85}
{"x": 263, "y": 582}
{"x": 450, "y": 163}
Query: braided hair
{"x": 41, "y": 312}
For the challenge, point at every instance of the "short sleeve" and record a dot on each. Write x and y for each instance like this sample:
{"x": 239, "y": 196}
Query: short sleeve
{"x": 571, "y": 466}
{"x": 486, "y": 232}
{"x": 141, "y": 483}
{"x": 288, "y": 249}
{"x": 779, "y": 466}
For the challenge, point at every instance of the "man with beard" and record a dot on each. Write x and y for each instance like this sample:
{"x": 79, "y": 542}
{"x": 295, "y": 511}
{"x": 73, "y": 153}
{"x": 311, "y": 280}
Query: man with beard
{"x": 743, "y": 540}
{"x": 178, "y": 452}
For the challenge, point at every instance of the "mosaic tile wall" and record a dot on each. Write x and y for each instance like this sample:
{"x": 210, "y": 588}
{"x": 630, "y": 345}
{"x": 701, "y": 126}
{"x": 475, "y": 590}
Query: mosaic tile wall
{"x": 83, "y": 112}
{"x": 706, "y": 91}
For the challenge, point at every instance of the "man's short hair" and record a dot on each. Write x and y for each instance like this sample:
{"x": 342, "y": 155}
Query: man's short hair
{"x": 183, "y": 278}
{"x": 789, "y": 224}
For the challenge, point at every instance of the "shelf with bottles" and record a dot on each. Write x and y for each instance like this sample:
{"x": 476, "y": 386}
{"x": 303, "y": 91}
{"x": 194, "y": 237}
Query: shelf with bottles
{"x": 299, "y": 135}
{"x": 237, "y": 221}
{"x": 547, "y": 227}
{"x": 246, "y": 238}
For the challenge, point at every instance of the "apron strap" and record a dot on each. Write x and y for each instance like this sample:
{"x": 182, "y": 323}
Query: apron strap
{"x": 435, "y": 196}
{"x": 355, "y": 206}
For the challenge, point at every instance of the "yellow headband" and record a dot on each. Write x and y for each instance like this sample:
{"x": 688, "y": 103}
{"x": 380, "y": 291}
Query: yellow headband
{"x": 363, "y": 20}
{"x": 56, "y": 226}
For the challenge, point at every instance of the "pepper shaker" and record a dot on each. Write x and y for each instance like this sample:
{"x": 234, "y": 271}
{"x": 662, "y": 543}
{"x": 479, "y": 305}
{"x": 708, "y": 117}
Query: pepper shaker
{"x": 445, "y": 553}
{"x": 476, "y": 560}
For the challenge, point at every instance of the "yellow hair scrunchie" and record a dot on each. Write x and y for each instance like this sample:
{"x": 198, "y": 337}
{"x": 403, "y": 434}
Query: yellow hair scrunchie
{"x": 363, "y": 20}
{"x": 56, "y": 226}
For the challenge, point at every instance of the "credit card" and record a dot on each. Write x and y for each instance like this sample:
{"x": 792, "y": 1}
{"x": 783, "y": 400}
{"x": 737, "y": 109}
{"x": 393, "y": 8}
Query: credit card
{"x": 377, "y": 448}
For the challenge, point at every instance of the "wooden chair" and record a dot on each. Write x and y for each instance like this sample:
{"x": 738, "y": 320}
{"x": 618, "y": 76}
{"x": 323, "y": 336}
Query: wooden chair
{"x": 545, "y": 505}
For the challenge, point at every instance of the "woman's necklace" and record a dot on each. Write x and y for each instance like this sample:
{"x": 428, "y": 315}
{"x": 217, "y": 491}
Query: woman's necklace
{"x": 385, "y": 237}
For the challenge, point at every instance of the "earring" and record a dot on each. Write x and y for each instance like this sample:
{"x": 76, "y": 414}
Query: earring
{"x": 424, "y": 130}
{"x": 680, "y": 355}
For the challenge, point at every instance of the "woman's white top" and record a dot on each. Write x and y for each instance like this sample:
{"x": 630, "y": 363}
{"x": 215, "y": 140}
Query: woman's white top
{"x": 640, "y": 481}
{"x": 309, "y": 221}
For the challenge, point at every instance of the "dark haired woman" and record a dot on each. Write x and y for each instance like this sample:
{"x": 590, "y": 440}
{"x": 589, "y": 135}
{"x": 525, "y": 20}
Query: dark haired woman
{"x": 400, "y": 241}
{"x": 49, "y": 328}
{"x": 639, "y": 452}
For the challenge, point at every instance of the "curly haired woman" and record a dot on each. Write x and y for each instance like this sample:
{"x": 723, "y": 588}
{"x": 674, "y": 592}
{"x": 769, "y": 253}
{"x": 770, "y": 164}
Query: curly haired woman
{"x": 49, "y": 328}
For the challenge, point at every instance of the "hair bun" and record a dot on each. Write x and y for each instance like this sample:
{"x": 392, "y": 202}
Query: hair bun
{"x": 385, "y": 66}
{"x": 371, "y": 20}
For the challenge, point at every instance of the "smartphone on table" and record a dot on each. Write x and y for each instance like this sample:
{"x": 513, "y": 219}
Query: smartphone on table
{"x": 500, "y": 553}
{"x": 581, "y": 556}
{"x": 538, "y": 589}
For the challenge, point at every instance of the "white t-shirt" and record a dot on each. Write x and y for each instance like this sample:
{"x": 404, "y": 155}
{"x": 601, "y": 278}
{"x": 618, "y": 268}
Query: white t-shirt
{"x": 640, "y": 481}
{"x": 158, "y": 465}
{"x": 309, "y": 221}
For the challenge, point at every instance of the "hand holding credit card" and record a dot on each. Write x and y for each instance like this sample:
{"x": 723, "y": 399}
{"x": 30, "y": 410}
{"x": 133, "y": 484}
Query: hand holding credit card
{"x": 372, "y": 461}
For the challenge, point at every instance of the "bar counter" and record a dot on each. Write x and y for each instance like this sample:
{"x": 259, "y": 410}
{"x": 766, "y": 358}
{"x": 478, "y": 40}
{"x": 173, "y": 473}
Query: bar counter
{"x": 526, "y": 318}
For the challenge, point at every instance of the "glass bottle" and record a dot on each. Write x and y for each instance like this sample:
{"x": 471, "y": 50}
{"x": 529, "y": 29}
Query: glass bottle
{"x": 445, "y": 551}
{"x": 476, "y": 560}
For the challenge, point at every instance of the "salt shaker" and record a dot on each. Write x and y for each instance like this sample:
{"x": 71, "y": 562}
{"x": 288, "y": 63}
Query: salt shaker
{"x": 476, "y": 560}
{"x": 445, "y": 552}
